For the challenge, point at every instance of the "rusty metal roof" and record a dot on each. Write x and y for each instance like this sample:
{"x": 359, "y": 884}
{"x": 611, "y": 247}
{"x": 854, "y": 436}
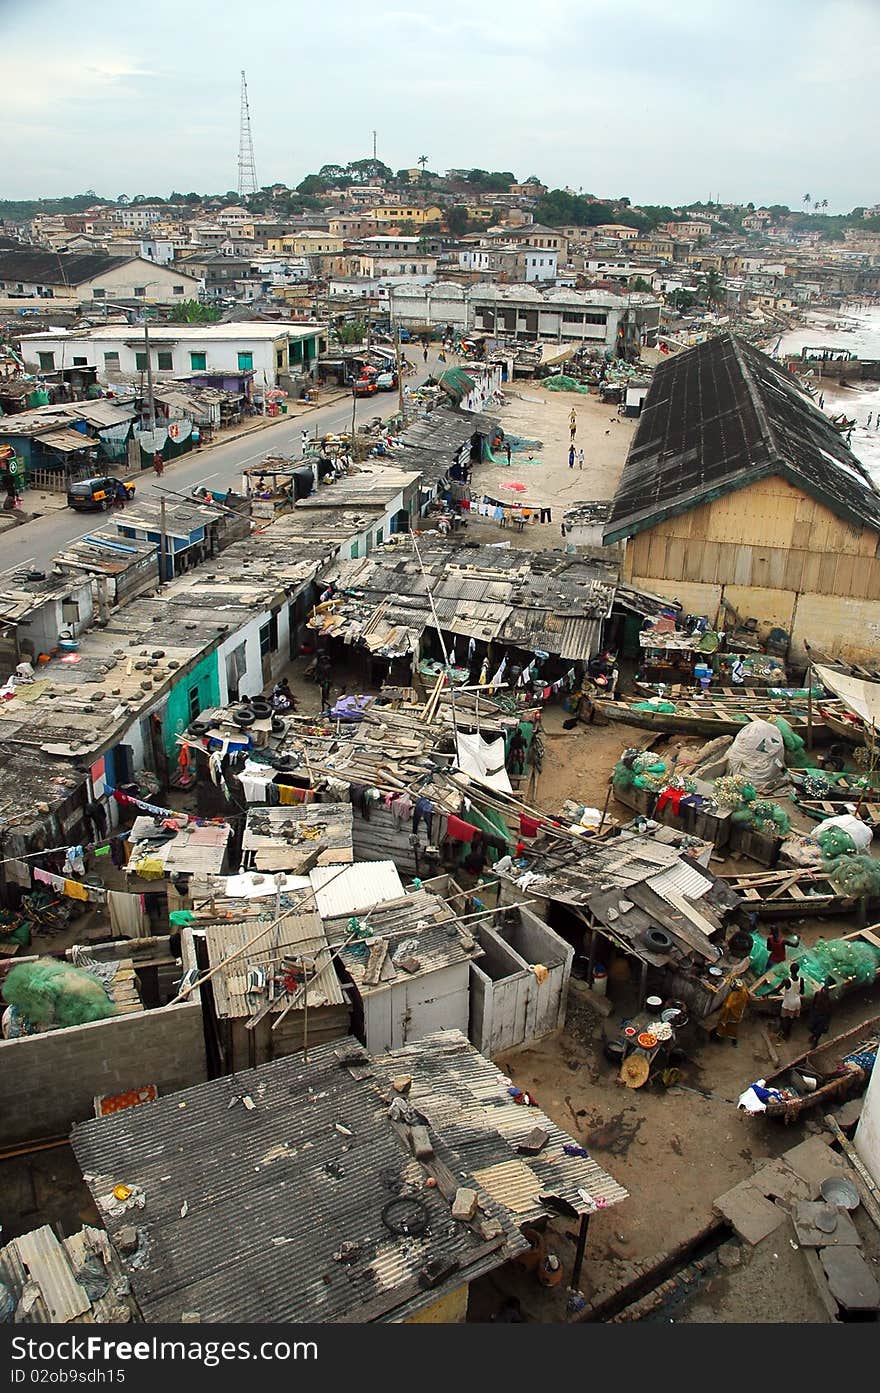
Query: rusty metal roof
{"x": 246, "y": 1206}
{"x": 466, "y": 1098}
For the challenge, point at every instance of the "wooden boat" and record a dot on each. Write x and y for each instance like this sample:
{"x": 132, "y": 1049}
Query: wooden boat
{"x": 769, "y": 1003}
{"x": 820, "y": 808}
{"x": 681, "y": 692}
{"x": 844, "y": 725}
{"x": 841, "y": 786}
{"x": 837, "y": 1077}
{"x": 704, "y": 716}
{"x": 789, "y": 894}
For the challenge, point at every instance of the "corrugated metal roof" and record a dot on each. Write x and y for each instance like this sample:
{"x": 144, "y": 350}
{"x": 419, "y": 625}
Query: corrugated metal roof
{"x": 33, "y": 1269}
{"x": 47, "y": 1265}
{"x": 465, "y": 1097}
{"x": 682, "y": 879}
{"x": 271, "y": 1193}
{"x": 298, "y": 935}
{"x": 355, "y": 889}
{"x": 580, "y": 639}
{"x": 425, "y": 919}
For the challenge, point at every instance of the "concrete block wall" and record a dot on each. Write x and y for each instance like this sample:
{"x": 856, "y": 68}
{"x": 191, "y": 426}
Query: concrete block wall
{"x": 49, "y": 1082}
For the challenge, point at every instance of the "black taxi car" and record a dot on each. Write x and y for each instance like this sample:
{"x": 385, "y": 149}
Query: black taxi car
{"x": 99, "y": 494}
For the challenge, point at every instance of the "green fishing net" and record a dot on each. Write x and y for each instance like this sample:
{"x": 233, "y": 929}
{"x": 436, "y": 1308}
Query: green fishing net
{"x": 48, "y": 992}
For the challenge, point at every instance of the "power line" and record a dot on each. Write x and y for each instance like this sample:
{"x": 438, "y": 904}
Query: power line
{"x": 247, "y": 171}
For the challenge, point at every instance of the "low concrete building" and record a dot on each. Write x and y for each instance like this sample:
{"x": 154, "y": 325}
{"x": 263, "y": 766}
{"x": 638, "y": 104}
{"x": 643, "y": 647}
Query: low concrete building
{"x": 273, "y": 352}
{"x": 82, "y": 278}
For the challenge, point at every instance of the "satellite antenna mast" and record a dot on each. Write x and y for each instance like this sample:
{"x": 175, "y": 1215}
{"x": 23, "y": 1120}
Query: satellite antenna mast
{"x": 374, "y": 144}
{"x": 247, "y": 173}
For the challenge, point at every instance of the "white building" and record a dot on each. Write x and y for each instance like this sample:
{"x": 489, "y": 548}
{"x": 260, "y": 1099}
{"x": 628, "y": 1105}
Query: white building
{"x": 138, "y": 216}
{"x": 270, "y": 351}
{"x": 442, "y": 302}
{"x": 84, "y": 278}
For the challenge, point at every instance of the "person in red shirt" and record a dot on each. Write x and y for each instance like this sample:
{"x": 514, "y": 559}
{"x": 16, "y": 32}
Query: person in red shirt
{"x": 776, "y": 946}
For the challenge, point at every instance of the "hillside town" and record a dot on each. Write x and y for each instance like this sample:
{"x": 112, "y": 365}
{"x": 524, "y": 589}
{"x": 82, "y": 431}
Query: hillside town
{"x": 523, "y": 545}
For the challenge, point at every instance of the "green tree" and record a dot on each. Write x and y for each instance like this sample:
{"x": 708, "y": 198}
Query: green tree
{"x": 681, "y": 300}
{"x": 334, "y": 174}
{"x": 368, "y": 171}
{"x": 640, "y": 284}
{"x": 457, "y": 219}
{"x": 312, "y": 184}
{"x": 193, "y": 312}
{"x": 713, "y": 289}
{"x": 354, "y": 332}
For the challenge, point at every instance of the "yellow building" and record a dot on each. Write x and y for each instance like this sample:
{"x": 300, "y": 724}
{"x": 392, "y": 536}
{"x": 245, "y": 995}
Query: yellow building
{"x": 736, "y": 488}
{"x": 397, "y": 213}
{"x": 306, "y": 244}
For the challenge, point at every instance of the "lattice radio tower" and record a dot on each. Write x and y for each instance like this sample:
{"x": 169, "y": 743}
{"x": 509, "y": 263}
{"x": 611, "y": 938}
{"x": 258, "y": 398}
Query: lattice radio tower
{"x": 247, "y": 170}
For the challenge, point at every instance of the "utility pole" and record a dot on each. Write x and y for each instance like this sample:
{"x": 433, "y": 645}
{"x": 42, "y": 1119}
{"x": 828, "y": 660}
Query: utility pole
{"x": 399, "y": 370}
{"x": 151, "y": 397}
{"x": 163, "y": 541}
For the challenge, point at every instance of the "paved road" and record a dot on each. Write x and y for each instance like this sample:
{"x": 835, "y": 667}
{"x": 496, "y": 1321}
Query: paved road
{"x": 218, "y": 466}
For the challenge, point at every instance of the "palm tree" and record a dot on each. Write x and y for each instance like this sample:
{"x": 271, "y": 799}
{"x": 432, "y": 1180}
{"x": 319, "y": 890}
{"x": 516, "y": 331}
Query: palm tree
{"x": 823, "y": 203}
{"x": 422, "y": 160}
{"x": 714, "y": 288}
{"x": 807, "y": 199}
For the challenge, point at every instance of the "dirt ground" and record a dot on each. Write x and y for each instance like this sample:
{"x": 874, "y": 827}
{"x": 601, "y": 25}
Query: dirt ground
{"x": 538, "y": 424}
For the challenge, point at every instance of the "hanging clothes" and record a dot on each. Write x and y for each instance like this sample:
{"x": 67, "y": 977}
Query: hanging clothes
{"x": 55, "y": 882}
{"x": 528, "y": 826}
{"x": 401, "y": 808}
{"x": 127, "y": 914}
{"x": 74, "y": 891}
{"x": 458, "y": 830}
{"x": 74, "y": 861}
{"x": 423, "y": 811}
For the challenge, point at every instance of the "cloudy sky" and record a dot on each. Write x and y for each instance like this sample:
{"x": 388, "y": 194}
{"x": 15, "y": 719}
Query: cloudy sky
{"x": 664, "y": 102}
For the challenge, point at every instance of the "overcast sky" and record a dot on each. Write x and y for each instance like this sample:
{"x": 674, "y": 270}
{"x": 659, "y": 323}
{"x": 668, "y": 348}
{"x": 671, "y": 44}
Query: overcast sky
{"x": 664, "y": 102}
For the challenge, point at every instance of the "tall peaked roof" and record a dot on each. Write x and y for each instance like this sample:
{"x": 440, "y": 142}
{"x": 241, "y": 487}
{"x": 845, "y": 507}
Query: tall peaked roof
{"x": 36, "y": 266}
{"x": 719, "y": 417}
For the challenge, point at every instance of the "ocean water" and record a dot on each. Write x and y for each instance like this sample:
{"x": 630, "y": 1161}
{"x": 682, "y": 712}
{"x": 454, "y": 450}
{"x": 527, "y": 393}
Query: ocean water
{"x": 862, "y": 403}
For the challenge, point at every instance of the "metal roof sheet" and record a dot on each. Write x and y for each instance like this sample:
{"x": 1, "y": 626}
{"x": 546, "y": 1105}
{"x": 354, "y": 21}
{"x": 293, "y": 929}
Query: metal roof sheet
{"x": 425, "y": 919}
{"x": 299, "y": 935}
{"x": 466, "y": 1098}
{"x": 246, "y": 1207}
{"x": 355, "y": 889}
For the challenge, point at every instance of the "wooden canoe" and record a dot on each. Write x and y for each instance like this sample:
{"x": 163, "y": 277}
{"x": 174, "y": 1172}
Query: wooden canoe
{"x": 788, "y": 894}
{"x": 836, "y": 1080}
{"x": 681, "y": 692}
{"x": 848, "y": 728}
{"x": 705, "y": 717}
{"x": 820, "y": 808}
{"x": 769, "y": 1004}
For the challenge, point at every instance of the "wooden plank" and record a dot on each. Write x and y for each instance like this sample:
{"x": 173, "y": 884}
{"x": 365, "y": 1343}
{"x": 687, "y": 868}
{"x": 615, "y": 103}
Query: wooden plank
{"x": 820, "y": 1281}
{"x": 868, "y": 1189}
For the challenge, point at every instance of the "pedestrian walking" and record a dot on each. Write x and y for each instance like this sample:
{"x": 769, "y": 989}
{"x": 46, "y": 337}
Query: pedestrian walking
{"x": 324, "y": 676}
{"x": 158, "y": 464}
{"x": 820, "y": 1012}
{"x": 572, "y": 423}
{"x": 571, "y": 457}
{"x": 507, "y": 451}
{"x": 732, "y": 1012}
{"x": 425, "y": 353}
{"x": 580, "y": 459}
{"x": 792, "y": 992}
